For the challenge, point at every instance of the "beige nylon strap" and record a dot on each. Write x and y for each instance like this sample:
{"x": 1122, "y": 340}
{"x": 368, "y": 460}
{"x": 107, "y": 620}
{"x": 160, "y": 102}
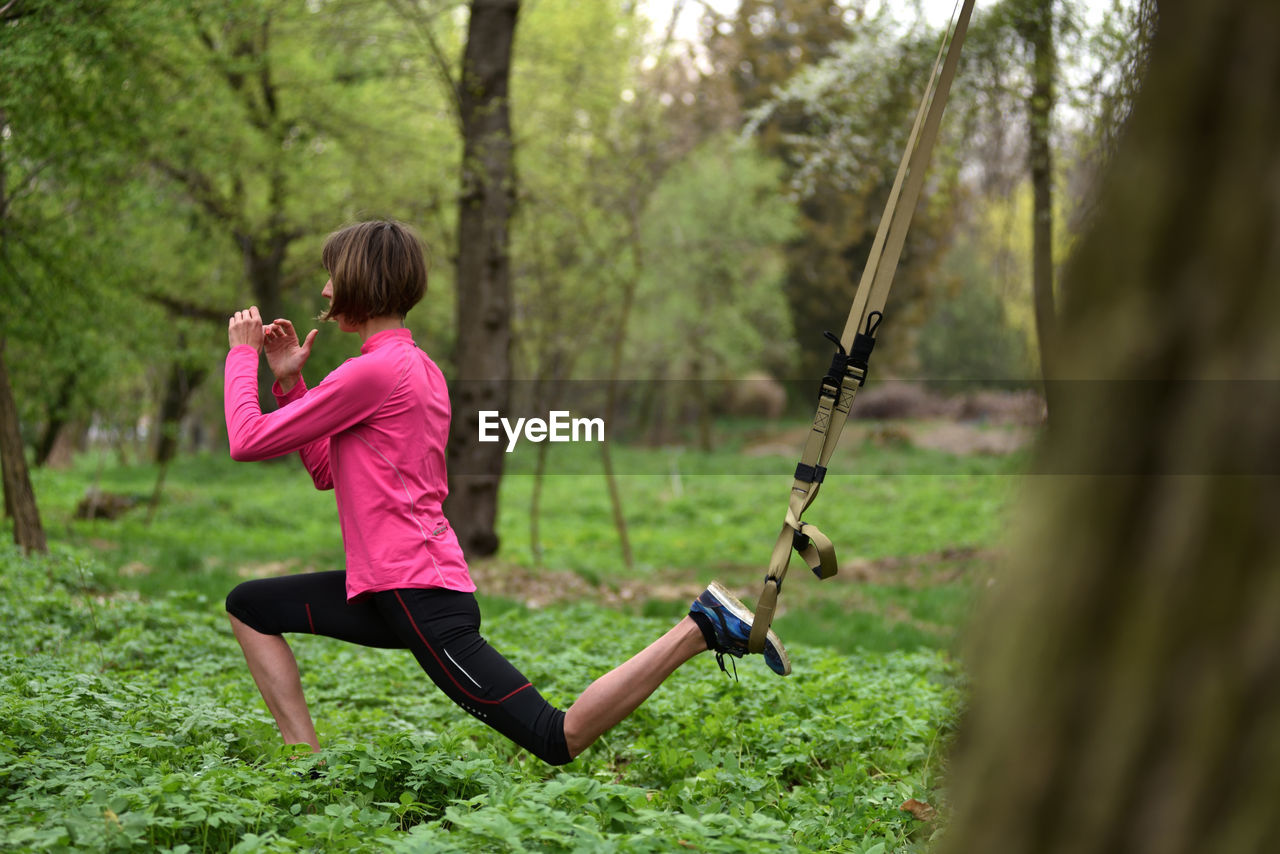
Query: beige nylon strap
{"x": 834, "y": 401}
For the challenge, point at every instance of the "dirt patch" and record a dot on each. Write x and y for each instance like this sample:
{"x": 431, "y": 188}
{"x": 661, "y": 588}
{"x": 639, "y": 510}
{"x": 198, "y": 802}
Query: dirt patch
{"x": 982, "y": 422}
{"x": 968, "y": 439}
{"x": 541, "y": 588}
{"x": 781, "y": 443}
{"x": 133, "y": 569}
{"x": 916, "y": 571}
{"x": 902, "y": 399}
{"x": 952, "y": 437}
{"x": 270, "y": 569}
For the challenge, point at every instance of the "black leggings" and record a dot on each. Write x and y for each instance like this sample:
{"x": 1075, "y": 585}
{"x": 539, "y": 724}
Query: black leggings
{"x": 441, "y": 628}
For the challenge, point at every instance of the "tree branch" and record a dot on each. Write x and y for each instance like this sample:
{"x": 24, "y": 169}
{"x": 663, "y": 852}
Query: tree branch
{"x": 5, "y": 11}
{"x": 182, "y": 308}
{"x": 408, "y": 10}
{"x": 202, "y": 192}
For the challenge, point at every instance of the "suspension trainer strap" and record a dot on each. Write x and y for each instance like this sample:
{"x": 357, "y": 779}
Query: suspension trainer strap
{"x": 848, "y": 369}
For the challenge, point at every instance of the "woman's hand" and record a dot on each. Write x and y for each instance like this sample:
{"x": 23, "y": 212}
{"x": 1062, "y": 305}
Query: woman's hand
{"x": 245, "y": 327}
{"x": 285, "y": 356}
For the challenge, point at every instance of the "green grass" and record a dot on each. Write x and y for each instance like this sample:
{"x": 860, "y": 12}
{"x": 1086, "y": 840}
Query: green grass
{"x": 129, "y": 724}
{"x": 723, "y": 509}
{"x": 832, "y": 622}
{"x": 732, "y": 520}
{"x": 696, "y": 520}
{"x": 216, "y": 519}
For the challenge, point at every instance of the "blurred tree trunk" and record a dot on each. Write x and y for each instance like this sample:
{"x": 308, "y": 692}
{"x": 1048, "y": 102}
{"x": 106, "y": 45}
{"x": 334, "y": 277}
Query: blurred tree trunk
{"x": 264, "y": 252}
{"x": 630, "y": 285}
{"x": 263, "y": 255}
{"x": 58, "y": 415}
{"x": 19, "y": 497}
{"x": 483, "y": 318}
{"x": 1037, "y": 30}
{"x": 181, "y": 383}
{"x": 1126, "y": 676}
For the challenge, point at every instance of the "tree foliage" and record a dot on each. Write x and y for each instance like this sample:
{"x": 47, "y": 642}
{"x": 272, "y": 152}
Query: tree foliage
{"x": 711, "y": 301}
{"x": 165, "y": 162}
{"x": 841, "y": 125}
{"x": 969, "y": 339}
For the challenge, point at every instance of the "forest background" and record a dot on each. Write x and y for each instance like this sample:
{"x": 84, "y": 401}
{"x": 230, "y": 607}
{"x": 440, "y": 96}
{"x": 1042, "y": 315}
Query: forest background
{"x": 689, "y": 215}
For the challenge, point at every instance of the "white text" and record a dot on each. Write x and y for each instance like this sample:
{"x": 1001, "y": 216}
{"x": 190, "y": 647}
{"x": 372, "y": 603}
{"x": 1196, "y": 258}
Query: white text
{"x": 557, "y": 427}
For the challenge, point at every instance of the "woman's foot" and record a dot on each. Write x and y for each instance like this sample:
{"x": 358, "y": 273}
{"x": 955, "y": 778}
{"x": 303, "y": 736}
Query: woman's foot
{"x": 726, "y": 625}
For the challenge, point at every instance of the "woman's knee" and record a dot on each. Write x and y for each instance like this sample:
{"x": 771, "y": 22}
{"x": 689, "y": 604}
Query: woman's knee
{"x": 555, "y": 748}
{"x": 553, "y": 751}
{"x": 238, "y": 599}
{"x": 557, "y": 759}
{"x": 244, "y": 605}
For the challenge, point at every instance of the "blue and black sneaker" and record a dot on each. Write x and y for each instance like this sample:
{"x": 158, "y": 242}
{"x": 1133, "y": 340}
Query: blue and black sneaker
{"x": 726, "y": 624}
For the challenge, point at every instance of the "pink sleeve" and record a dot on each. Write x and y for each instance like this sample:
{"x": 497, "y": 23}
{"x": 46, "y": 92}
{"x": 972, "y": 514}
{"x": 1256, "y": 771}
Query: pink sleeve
{"x": 345, "y": 398}
{"x": 315, "y": 456}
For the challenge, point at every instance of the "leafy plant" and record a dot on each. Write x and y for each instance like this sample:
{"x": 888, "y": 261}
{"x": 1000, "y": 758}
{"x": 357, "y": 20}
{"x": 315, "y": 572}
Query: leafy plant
{"x": 130, "y": 724}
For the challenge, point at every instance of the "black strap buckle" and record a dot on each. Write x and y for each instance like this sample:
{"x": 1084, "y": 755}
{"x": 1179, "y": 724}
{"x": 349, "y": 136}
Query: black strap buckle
{"x": 810, "y": 474}
{"x": 800, "y": 541}
{"x": 863, "y": 343}
{"x": 835, "y": 373}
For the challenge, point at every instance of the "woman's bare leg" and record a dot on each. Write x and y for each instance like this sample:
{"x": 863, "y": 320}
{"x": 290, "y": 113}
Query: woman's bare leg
{"x": 620, "y": 692}
{"x": 275, "y": 671}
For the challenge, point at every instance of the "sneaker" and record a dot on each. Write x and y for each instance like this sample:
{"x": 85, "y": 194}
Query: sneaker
{"x": 726, "y": 624}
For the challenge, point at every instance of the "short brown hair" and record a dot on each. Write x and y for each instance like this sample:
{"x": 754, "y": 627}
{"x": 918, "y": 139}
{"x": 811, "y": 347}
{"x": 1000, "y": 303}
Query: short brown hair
{"x": 377, "y": 268}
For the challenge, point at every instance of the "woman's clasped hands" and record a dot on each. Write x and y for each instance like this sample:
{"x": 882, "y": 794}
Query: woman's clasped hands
{"x": 277, "y": 340}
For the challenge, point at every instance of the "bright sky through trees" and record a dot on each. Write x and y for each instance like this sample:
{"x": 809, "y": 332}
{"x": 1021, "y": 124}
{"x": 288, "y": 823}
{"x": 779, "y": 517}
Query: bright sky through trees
{"x": 936, "y": 12}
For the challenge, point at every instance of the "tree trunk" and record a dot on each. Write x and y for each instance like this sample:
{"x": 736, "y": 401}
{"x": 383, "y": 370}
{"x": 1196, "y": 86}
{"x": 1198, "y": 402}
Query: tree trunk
{"x": 180, "y": 385}
{"x": 483, "y": 319}
{"x": 630, "y": 285}
{"x": 264, "y": 268}
{"x": 19, "y": 497}
{"x": 58, "y": 416}
{"x": 71, "y": 440}
{"x": 1039, "y": 35}
{"x": 1126, "y": 673}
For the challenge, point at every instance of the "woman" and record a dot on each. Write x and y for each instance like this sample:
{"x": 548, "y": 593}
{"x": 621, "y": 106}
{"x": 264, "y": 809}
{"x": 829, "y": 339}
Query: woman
{"x": 374, "y": 431}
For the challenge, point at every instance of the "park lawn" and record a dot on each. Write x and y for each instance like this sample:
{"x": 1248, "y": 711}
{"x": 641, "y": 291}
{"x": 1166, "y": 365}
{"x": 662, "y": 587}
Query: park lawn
{"x": 130, "y": 724}
{"x": 916, "y": 531}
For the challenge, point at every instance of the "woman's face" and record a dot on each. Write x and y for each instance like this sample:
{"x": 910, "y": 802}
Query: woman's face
{"x": 327, "y": 293}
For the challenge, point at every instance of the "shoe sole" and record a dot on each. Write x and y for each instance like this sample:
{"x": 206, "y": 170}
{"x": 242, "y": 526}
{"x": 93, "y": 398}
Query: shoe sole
{"x": 742, "y": 612}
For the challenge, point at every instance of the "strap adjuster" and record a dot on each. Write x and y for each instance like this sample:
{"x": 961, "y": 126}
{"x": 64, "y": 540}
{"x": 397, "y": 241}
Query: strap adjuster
{"x": 810, "y": 474}
{"x": 799, "y": 542}
{"x": 863, "y": 343}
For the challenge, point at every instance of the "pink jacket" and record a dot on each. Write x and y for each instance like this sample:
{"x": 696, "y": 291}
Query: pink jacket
{"x": 374, "y": 432}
